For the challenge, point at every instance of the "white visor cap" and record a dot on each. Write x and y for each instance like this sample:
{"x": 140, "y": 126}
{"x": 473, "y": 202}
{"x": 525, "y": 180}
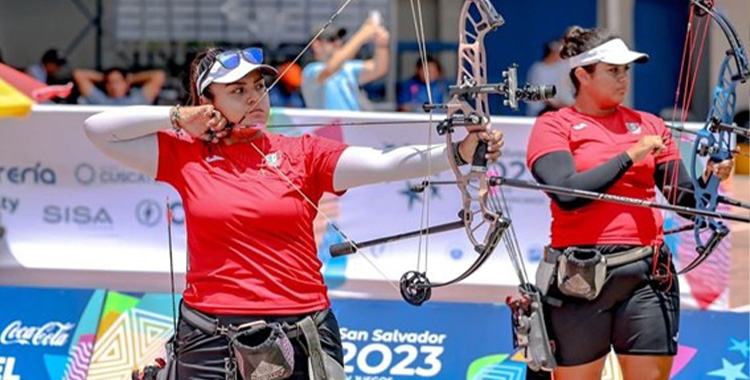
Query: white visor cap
{"x": 220, "y": 74}
{"x": 614, "y": 52}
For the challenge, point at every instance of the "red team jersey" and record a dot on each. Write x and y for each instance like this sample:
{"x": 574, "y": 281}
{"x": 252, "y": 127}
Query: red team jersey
{"x": 249, "y": 232}
{"x": 593, "y": 140}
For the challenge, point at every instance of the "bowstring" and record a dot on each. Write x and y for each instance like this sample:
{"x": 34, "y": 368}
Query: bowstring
{"x": 689, "y": 68}
{"x": 423, "y": 241}
{"x": 509, "y": 238}
{"x": 284, "y": 176}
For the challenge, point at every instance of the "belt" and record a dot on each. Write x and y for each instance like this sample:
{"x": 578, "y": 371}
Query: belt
{"x": 551, "y": 255}
{"x": 211, "y": 326}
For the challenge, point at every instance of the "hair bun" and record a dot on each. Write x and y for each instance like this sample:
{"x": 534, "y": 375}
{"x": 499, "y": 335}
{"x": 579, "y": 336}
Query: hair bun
{"x": 573, "y": 33}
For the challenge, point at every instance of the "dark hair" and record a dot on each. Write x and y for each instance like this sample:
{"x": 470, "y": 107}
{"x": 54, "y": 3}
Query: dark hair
{"x": 201, "y": 63}
{"x": 430, "y": 59}
{"x": 578, "y": 40}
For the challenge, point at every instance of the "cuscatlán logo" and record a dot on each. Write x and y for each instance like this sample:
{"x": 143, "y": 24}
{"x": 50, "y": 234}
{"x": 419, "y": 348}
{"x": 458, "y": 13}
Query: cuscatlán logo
{"x": 87, "y": 174}
{"x": 80, "y": 215}
{"x": 51, "y": 334}
{"x": 19, "y": 175}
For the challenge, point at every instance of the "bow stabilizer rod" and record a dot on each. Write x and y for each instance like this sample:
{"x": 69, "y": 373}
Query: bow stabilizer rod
{"x": 349, "y": 248}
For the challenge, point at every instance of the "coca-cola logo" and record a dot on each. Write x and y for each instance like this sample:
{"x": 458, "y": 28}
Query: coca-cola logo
{"x": 52, "y": 334}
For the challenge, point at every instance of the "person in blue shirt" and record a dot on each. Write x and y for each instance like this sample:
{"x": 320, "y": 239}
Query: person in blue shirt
{"x": 412, "y": 93}
{"x": 332, "y": 81}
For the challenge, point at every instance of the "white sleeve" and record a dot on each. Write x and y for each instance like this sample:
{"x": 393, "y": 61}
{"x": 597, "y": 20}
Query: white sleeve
{"x": 128, "y": 135}
{"x": 359, "y": 166}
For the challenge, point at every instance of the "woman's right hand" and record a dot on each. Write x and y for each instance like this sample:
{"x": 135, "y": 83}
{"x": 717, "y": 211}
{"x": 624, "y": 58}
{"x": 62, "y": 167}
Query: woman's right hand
{"x": 197, "y": 121}
{"x": 644, "y": 146}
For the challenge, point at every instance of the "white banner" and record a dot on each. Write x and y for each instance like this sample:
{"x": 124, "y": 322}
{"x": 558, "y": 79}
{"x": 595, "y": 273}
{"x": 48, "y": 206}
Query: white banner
{"x": 65, "y": 206}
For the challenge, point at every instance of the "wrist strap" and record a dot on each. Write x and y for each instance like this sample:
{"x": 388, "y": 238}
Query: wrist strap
{"x": 457, "y": 155}
{"x": 174, "y": 117}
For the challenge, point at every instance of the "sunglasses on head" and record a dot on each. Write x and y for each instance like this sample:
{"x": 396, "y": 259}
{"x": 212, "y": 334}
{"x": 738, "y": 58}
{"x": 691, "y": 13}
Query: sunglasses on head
{"x": 231, "y": 59}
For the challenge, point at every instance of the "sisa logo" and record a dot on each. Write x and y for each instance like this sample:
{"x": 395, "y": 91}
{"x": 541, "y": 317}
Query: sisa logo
{"x": 32, "y": 175}
{"x": 87, "y": 174}
{"x": 7, "y": 365}
{"x": 80, "y": 215}
{"x": 51, "y": 334}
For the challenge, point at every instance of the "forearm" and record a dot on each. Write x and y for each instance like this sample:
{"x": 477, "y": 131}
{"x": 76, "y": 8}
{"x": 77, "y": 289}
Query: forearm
{"x": 381, "y": 60}
{"x": 558, "y": 169}
{"x": 127, "y": 123}
{"x": 144, "y": 77}
{"x": 360, "y": 166}
{"x": 87, "y": 75}
{"x": 346, "y": 53}
{"x": 85, "y": 80}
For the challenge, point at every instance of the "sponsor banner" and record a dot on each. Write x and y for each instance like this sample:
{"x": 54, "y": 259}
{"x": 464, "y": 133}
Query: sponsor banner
{"x": 97, "y": 215}
{"x": 42, "y": 331}
{"x": 54, "y": 334}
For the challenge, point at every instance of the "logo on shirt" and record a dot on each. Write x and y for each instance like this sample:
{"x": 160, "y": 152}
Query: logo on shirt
{"x": 634, "y": 128}
{"x": 272, "y": 159}
{"x": 579, "y": 127}
{"x": 214, "y": 158}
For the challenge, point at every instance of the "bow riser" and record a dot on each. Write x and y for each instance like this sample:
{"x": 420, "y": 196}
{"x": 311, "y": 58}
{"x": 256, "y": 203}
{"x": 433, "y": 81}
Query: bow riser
{"x": 478, "y": 17}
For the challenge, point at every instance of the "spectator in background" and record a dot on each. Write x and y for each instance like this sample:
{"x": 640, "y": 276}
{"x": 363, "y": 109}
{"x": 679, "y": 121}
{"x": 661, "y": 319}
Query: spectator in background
{"x": 552, "y": 69}
{"x": 47, "y": 70}
{"x": 332, "y": 81}
{"x": 412, "y": 93}
{"x": 120, "y": 87}
{"x": 286, "y": 93}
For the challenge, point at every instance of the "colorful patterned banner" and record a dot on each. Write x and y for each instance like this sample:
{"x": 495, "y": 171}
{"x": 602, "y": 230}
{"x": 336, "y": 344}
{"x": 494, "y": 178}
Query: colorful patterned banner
{"x": 54, "y": 334}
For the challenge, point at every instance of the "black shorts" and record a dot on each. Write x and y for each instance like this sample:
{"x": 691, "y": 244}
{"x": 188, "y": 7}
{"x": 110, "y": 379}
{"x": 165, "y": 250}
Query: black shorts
{"x": 633, "y": 314}
{"x": 201, "y": 356}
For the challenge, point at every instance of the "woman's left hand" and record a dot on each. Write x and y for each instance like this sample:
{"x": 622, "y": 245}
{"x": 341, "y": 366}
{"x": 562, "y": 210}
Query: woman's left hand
{"x": 494, "y": 140}
{"x": 721, "y": 170}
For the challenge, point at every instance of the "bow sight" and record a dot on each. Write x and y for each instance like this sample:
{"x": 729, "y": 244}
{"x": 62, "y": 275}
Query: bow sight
{"x": 508, "y": 88}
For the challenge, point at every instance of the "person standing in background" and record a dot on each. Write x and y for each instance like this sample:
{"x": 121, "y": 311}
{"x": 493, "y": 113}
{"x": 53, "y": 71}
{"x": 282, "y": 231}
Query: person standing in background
{"x": 332, "y": 81}
{"x": 552, "y": 69}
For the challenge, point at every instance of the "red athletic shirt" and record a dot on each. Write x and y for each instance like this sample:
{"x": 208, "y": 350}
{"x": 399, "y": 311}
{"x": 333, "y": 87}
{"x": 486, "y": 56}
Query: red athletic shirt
{"x": 250, "y": 234}
{"x": 593, "y": 140}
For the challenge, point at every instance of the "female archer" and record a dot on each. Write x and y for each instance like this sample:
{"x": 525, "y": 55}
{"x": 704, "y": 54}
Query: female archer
{"x": 599, "y": 145}
{"x": 250, "y": 197}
